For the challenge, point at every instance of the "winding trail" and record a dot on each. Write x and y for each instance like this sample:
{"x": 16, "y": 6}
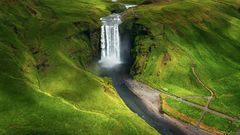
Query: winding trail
{"x": 132, "y": 84}
{"x": 151, "y": 98}
{"x": 145, "y": 101}
{"x": 201, "y": 82}
{"x": 209, "y": 98}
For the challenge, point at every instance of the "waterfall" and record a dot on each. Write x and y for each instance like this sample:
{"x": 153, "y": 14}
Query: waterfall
{"x": 127, "y": 6}
{"x": 110, "y": 40}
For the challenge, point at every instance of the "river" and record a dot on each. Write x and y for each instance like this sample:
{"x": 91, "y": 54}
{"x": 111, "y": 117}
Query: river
{"x": 120, "y": 71}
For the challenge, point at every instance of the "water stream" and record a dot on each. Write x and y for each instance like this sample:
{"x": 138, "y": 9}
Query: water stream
{"x": 115, "y": 63}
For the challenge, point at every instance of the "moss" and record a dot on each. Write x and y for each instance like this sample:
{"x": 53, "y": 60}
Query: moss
{"x": 203, "y": 33}
{"x": 116, "y": 8}
{"x": 45, "y": 47}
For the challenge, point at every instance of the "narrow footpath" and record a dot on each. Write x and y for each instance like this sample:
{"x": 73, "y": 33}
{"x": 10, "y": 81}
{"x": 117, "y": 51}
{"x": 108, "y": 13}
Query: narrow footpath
{"x": 151, "y": 98}
{"x": 209, "y": 97}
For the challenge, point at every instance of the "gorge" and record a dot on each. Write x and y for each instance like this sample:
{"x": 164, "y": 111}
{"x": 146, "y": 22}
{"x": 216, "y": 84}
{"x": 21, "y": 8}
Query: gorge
{"x": 119, "y": 67}
{"x": 116, "y": 60}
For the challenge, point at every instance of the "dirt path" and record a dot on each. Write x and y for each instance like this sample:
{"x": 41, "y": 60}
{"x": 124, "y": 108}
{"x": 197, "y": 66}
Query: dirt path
{"x": 209, "y": 98}
{"x": 201, "y": 82}
{"x": 151, "y": 98}
{"x": 141, "y": 89}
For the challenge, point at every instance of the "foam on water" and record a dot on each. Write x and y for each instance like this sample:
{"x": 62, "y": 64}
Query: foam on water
{"x": 127, "y": 6}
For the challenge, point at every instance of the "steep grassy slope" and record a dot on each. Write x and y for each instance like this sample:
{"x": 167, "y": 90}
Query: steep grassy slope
{"x": 172, "y": 37}
{"x": 44, "y": 48}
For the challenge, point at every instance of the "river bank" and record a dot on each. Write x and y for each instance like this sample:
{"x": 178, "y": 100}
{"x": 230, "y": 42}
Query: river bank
{"x": 144, "y": 103}
{"x": 151, "y": 99}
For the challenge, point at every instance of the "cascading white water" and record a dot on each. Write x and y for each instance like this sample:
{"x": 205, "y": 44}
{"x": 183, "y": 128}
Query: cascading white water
{"x": 110, "y": 40}
{"x": 127, "y": 6}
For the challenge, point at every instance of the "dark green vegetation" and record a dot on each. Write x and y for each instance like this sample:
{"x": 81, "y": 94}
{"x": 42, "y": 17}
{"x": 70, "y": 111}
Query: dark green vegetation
{"x": 216, "y": 121}
{"x": 184, "y": 108}
{"x": 172, "y": 37}
{"x": 45, "y": 47}
{"x": 192, "y": 115}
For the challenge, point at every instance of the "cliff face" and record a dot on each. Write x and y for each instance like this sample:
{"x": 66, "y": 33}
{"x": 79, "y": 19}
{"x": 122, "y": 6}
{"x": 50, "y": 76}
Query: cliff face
{"x": 45, "y": 47}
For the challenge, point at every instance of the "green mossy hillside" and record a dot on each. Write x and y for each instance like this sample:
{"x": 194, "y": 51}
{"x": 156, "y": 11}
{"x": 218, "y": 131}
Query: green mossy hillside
{"x": 45, "y": 47}
{"x": 173, "y": 37}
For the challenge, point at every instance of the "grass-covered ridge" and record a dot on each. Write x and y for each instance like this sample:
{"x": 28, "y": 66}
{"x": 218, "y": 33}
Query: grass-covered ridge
{"x": 173, "y": 37}
{"x": 44, "y": 48}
